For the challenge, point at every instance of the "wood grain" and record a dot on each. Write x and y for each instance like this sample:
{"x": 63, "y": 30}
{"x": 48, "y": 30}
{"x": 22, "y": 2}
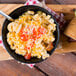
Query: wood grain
{"x": 59, "y": 65}
{"x": 66, "y": 1}
{"x": 47, "y": 1}
{"x": 56, "y": 65}
{"x": 13, "y": 68}
{"x": 67, "y": 10}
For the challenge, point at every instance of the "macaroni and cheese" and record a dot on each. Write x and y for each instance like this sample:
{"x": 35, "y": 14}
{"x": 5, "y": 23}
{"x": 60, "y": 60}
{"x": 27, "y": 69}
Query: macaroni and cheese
{"x": 30, "y": 34}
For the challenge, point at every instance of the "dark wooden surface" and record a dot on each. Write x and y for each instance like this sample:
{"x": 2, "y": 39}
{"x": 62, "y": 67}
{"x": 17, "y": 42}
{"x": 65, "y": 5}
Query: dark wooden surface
{"x": 13, "y": 68}
{"x": 59, "y": 65}
{"x": 56, "y": 65}
{"x": 47, "y": 1}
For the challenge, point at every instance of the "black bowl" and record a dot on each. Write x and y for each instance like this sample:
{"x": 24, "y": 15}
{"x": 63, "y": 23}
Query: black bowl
{"x": 15, "y": 14}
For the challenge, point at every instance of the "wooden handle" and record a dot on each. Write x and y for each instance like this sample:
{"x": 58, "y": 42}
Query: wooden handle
{"x": 71, "y": 29}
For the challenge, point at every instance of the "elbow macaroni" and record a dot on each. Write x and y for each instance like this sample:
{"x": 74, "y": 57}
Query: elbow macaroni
{"x": 32, "y": 20}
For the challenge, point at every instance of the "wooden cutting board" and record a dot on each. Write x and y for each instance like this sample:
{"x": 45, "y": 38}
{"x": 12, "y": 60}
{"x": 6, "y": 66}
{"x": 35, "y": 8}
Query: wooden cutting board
{"x": 63, "y": 47}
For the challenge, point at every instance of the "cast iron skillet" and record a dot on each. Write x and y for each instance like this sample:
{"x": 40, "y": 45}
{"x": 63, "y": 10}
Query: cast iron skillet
{"x": 15, "y": 14}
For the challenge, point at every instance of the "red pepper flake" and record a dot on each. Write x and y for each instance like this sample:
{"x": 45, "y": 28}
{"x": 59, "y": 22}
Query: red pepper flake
{"x": 24, "y": 37}
{"x": 21, "y": 31}
{"x": 26, "y": 32}
{"x": 34, "y": 33}
{"x": 39, "y": 35}
{"x": 28, "y": 48}
{"x": 25, "y": 47}
{"x": 27, "y": 56}
{"x": 41, "y": 30}
{"x": 33, "y": 42}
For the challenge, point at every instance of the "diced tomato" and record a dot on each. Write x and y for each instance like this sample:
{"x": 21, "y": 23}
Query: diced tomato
{"x": 27, "y": 56}
{"x": 24, "y": 37}
{"x": 25, "y": 47}
{"x": 41, "y": 30}
{"x": 21, "y": 31}
{"x": 28, "y": 48}
{"x": 50, "y": 46}
{"x": 39, "y": 35}
{"x": 32, "y": 44}
{"x": 31, "y": 37}
{"x": 34, "y": 33}
{"x": 28, "y": 27}
{"x": 33, "y": 41}
{"x": 26, "y": 32}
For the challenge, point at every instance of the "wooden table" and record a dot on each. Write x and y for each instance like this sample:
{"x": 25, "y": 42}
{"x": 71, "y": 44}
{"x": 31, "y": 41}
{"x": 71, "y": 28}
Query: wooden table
{"x": 47, "y": 1}
{"x": 56, "y": 65}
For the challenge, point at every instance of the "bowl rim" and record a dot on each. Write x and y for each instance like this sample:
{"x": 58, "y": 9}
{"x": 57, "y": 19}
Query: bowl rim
{"x": 58, "y": 32}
